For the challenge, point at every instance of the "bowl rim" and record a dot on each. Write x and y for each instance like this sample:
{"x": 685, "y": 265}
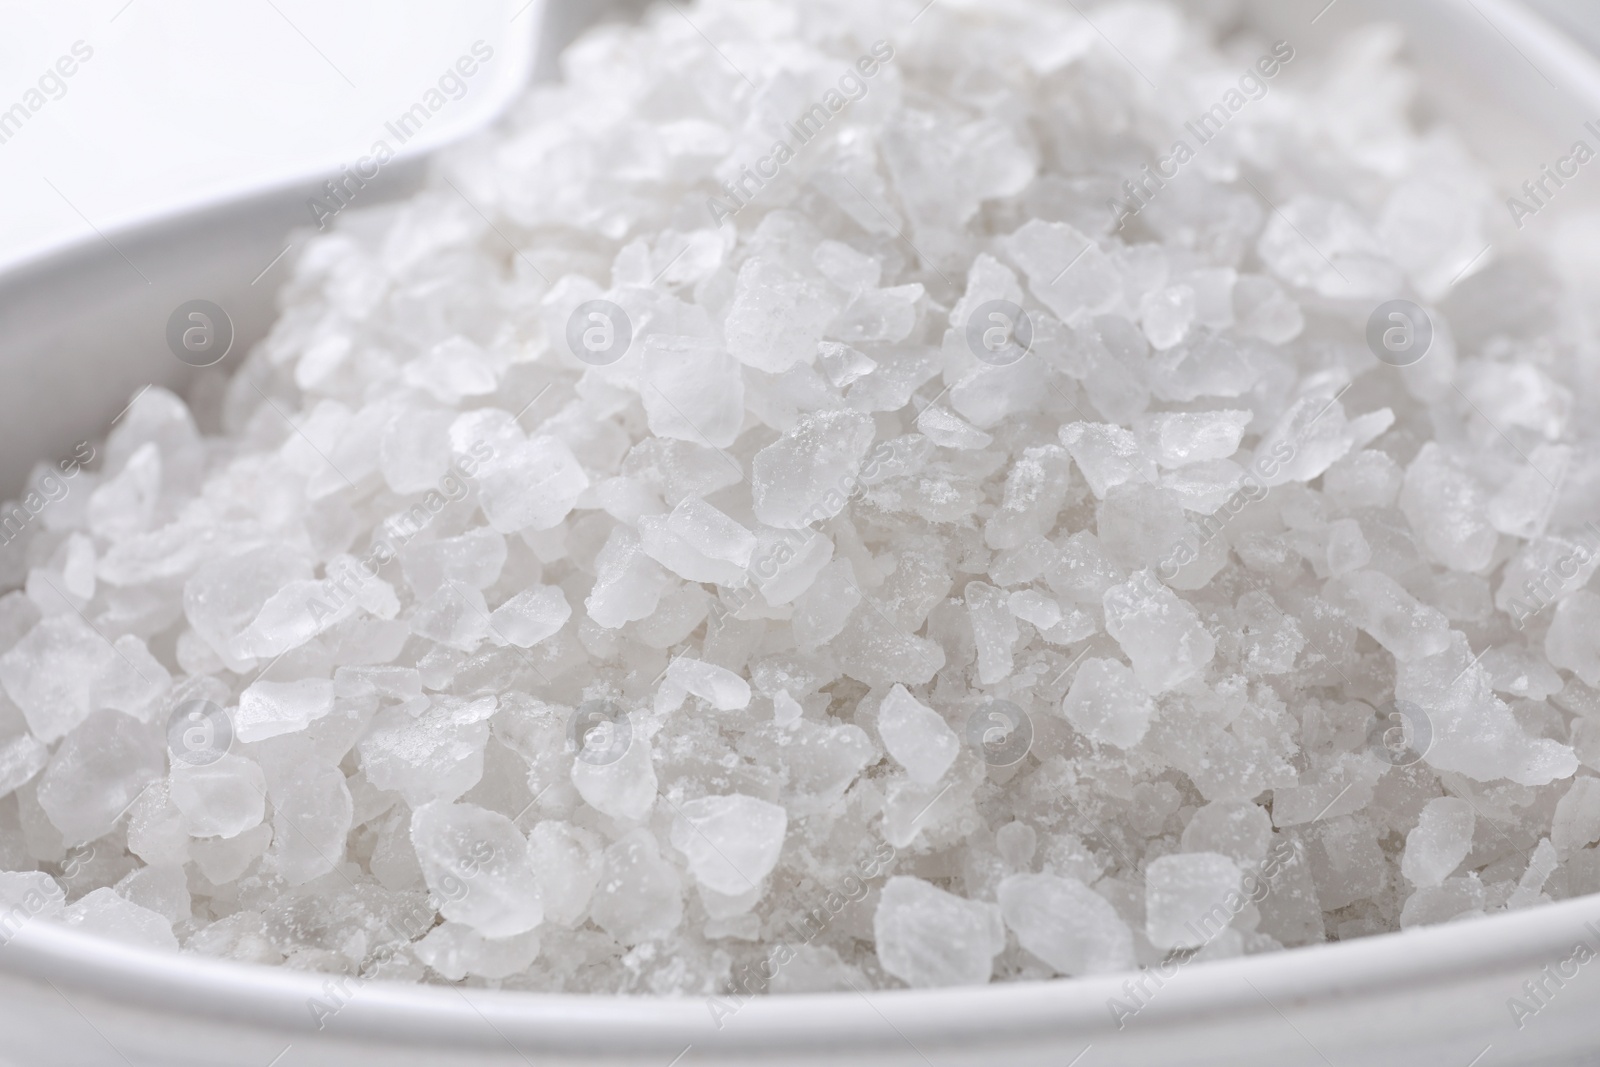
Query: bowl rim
{"x": 1508, "y": 946}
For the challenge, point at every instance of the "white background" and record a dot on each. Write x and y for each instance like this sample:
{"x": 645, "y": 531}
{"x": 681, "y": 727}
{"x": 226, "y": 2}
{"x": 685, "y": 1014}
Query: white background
{"x": 189, "y": 100}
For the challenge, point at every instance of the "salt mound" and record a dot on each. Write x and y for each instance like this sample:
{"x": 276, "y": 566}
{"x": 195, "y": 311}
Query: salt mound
{"x": 800, "y": 506}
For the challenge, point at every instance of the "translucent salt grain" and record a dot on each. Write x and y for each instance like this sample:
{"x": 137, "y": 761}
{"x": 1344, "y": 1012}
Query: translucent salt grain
{"x": 1034, "y": 607}
{"x": 1107, "y": 455}
{"x": 1066, "y": 270}
{"x": 1530, "y": 885}
{"x": 1186, "y": 898}
{"x": 1107, "y": 704}
{"x": 628, "y": 583}
{"x": 1036, "y": 488}
{"x": 640, "y": 895}
{"x": 473, "y": 558}
{"x": 1457, "y": 898}
{"x": 162, "y": 889}
{"x": 817, "y": 969}
{"x": 1017, "y": 843}
{"x": 1181, "y": 438}
{"x": 1161, "y": 633}
{"x": 1144, "y": 525}
{"x": 530, "y": 485}
{"x": 219, "y": 799}
{"x": 1343, "y": 784}
{"x": 1239, "y": 830}
{"x": 691, "y": 374}
{"x": 415, "y": 450}
{"x": 718, "y": 686}
{"x": 28, "y": 895}
{"x": 927, "y": 937}
{"x": 680, "y": 556}
{"x": 623, "y": 788}
{"x": 428, "y": 748}
{"x": 104, "y": 913}
{"x": 1312, "y": 435}
{"x": 711, "y": 532}
{"x": 1066, "y": 924}
{"x": 731, "y": 842}
{"x": 777, "y": 317}
{"x": 567, "y": 860}
{"x": 267, "y": 709}
{"x": 21, "y": 757}
{"x": 225, "y": 594}
{"x": 785, "y": 708}
{"x": 1520, "y": 672}
{"x": 1347, "y": 547}
{"x": 1524, "y": 506}
{"x": 477, "y": 863}
{"x": 97, "y": 771}
{"x": 994, "y": 630}
{"x": 1573, "y": 640}
{"x": 1576, "y": 823}
{"x": 1325, "y": 245}
{"x": 950, "y": 430}
{"x": 1167, "y": 314}
{"x": 821, "y": 613}
{"x": 1083, "y": 570}
{"x": 1364, "y": 479}
{"x": 1439, "y": 842}
{"x": 1204, "y": 487}
{"x": 312, "y": 811}
{"x": 842, "y": 364}
{"x": 456, "y": 615}
{"x": 452, "y": 369}
{"x": 530, "y": 616}
{"x": 1446, "y": 506}
{"x": 916, "y": 736}
{"x": 1546, "y": 568}
{"x": 847, "y": 268}
{"x": 156, "y": 828}
{"x": 879, "y": 315}
{"x": 1395, "y": 619}
{"x": 807, "y": 475}
{"x": 872, "y": 649}
{"x": 456, "y": 950}
{"x": 50, "y": 674}
{"x": 1474, "y": 732}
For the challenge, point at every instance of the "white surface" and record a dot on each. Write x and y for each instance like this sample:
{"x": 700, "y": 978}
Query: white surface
{"x": 189, "y": 101}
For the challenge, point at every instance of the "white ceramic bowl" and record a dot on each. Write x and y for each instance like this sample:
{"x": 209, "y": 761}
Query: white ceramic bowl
{"x": 1436, "y": 996}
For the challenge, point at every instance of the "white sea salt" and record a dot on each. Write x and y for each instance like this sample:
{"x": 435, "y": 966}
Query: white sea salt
{"x": 1106, "y": 703}
{"x": 915, "y": 554}
{"x": 1158, "y": 630}
{"x": 928, "y": 937}
{"x": 105, "y": 913}
{"x": 1439, "y": 842}
{"x": 1066, "y": 924}
{"x": 456, "y": 950}
{"x": 477, "y": 862}
{"x": 916, "y": 736}
{"x": 268, "y": 709}
{"x": 640, "y": 894}
{"x": 530, "y": 616}
{"x": 219, "y": 799}
{"x": 1187, "y": 898}
{"x": 805, "y": 476}
{"x": 731, "y": 842}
